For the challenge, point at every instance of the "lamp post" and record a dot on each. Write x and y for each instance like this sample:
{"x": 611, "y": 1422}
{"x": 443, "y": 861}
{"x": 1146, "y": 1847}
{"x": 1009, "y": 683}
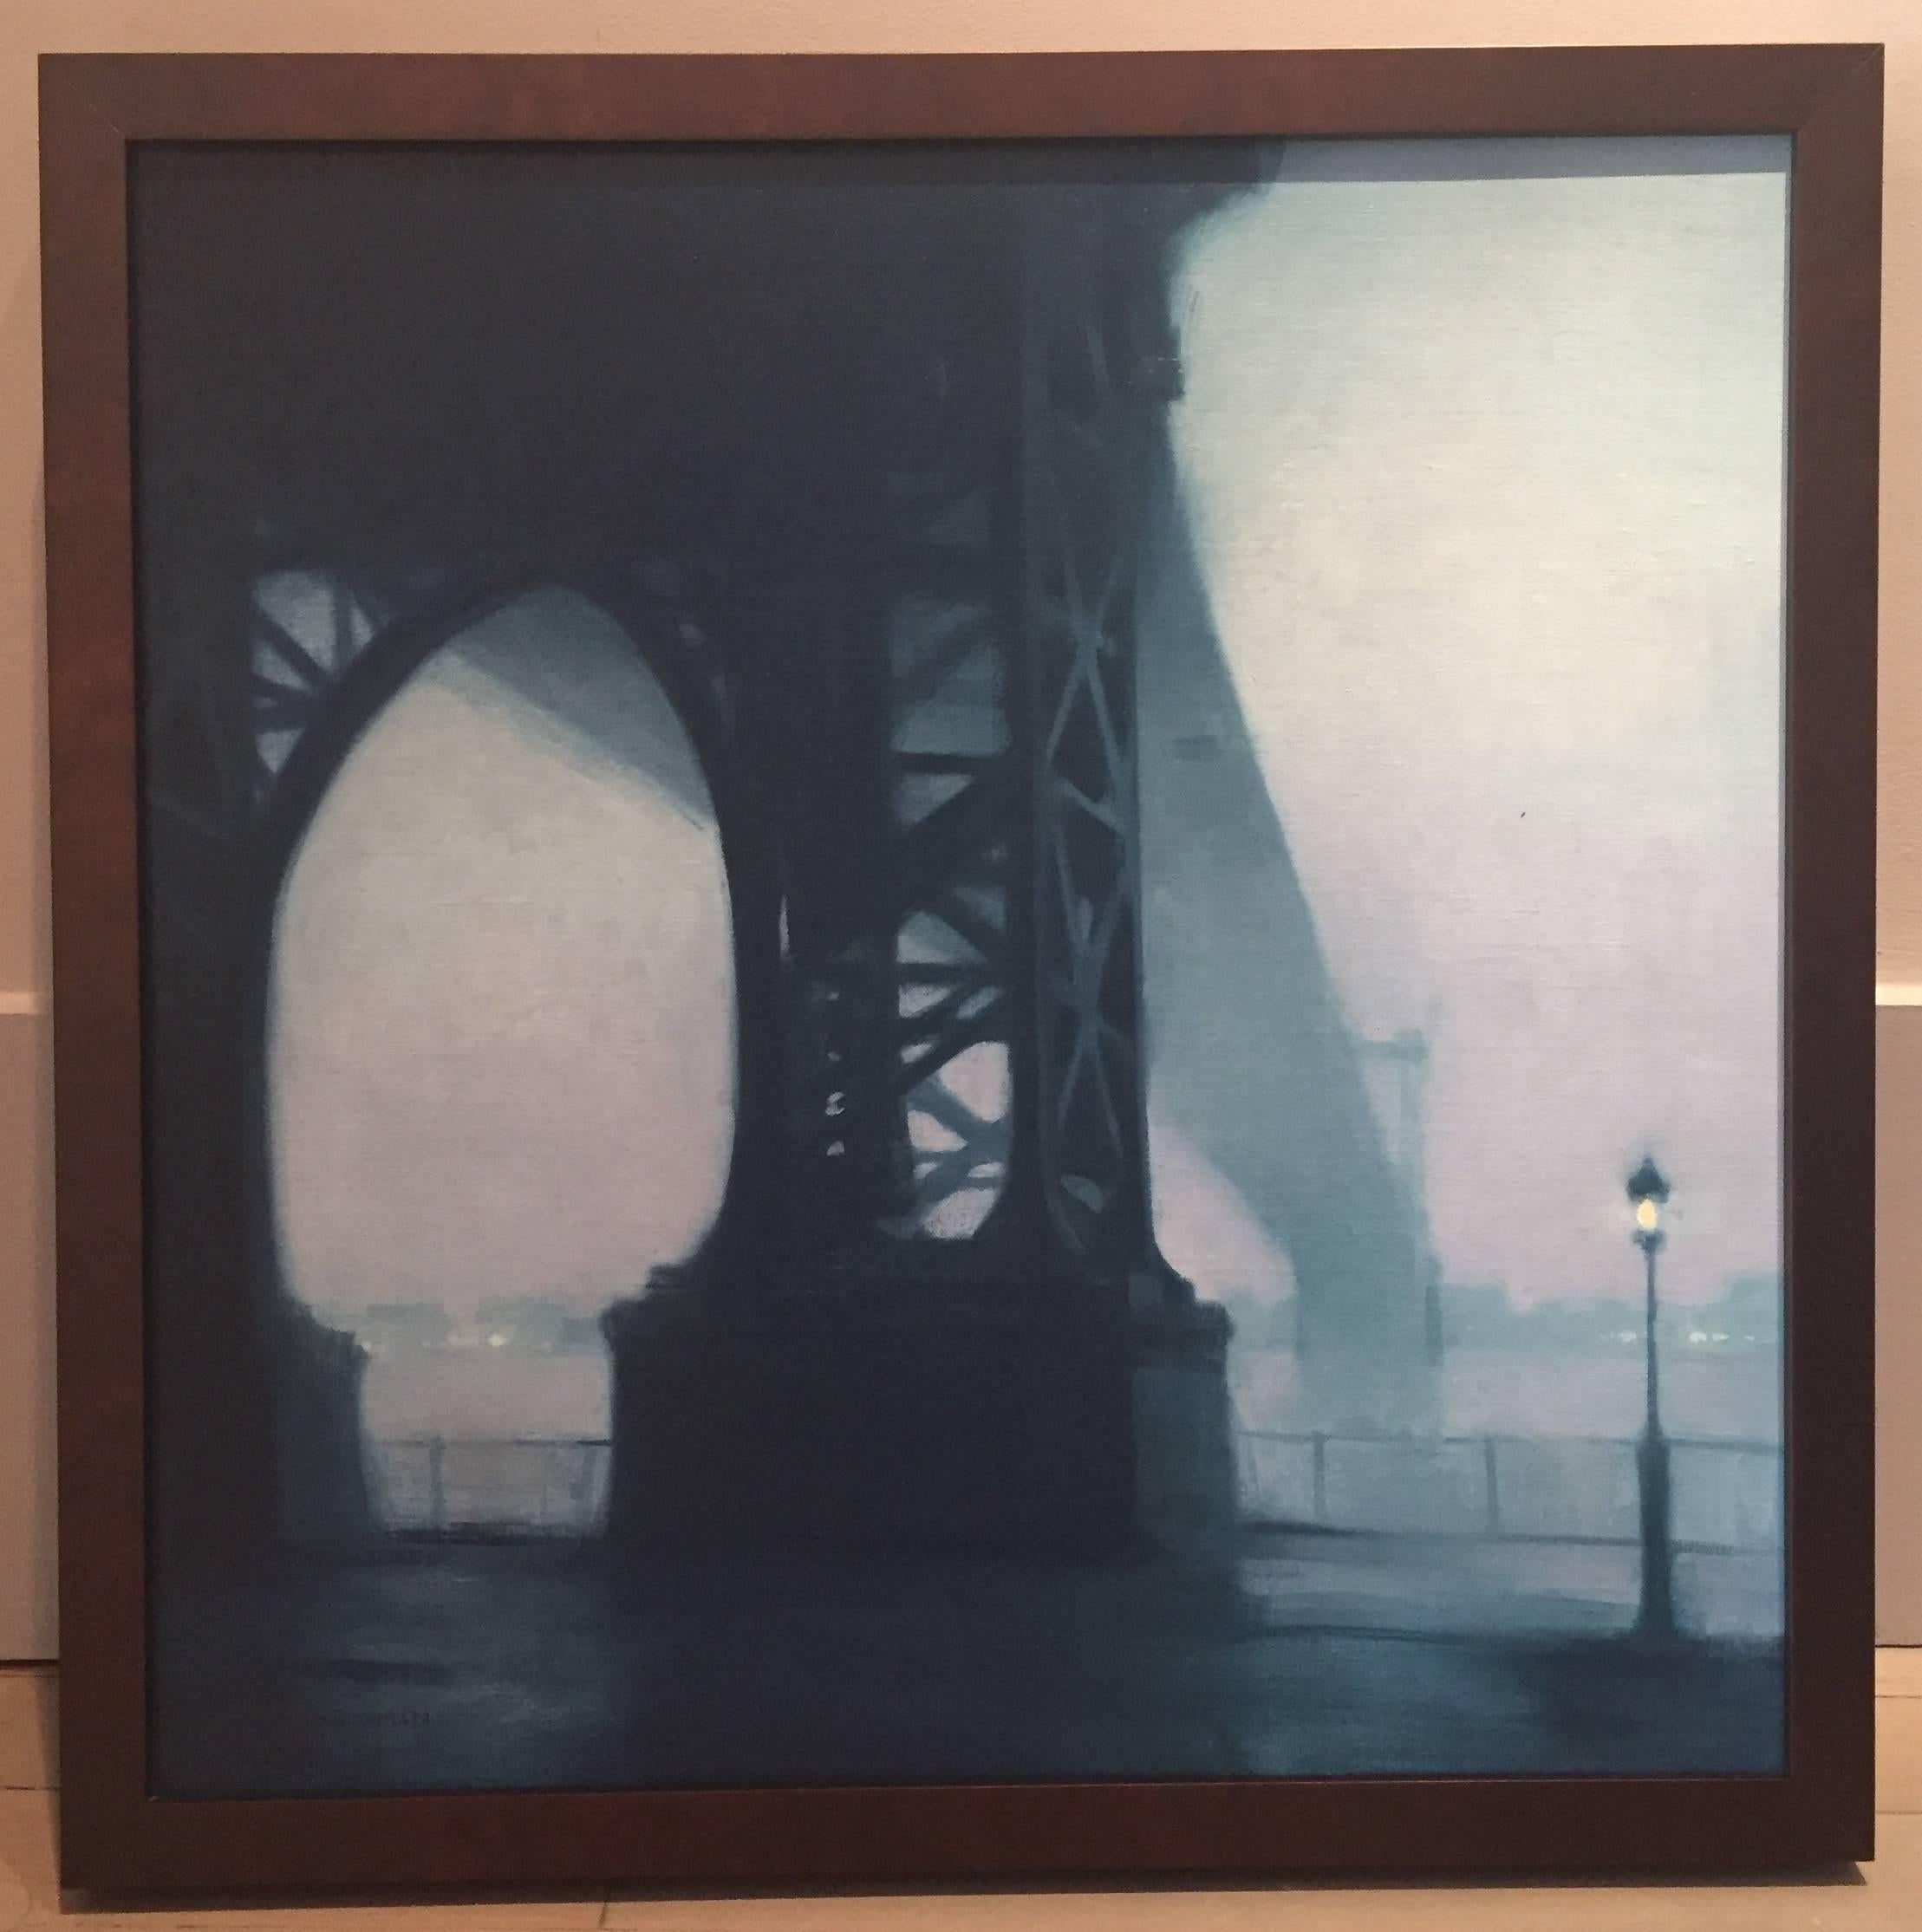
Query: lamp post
{"x": 1648, "y": 1193}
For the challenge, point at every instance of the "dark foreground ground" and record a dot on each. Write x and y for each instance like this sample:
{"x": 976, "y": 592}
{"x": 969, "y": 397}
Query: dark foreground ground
{"x": 449, "y": 1667}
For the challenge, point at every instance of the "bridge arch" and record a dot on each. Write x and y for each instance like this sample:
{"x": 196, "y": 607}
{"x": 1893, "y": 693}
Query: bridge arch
{"x": 371, "y": 667}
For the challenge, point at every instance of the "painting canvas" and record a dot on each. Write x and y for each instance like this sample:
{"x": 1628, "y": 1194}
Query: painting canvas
{"x": 961, "y": 963}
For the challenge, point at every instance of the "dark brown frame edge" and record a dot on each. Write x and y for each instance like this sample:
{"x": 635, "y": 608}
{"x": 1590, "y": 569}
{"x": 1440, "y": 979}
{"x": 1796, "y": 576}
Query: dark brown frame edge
{"x": 114, "y": 1835}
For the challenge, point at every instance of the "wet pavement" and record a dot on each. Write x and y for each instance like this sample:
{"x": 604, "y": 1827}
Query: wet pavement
{"x": 449, "y": 1667}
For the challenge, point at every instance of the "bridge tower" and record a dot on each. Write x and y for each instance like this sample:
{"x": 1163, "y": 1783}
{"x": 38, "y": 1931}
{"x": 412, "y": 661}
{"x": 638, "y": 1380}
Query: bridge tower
{"x": 872, "y": 495}
{"x": 941, "y": 1316}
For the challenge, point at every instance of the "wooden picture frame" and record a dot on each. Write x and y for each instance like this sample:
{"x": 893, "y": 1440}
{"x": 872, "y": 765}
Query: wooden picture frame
{"x": 99, "y": 114}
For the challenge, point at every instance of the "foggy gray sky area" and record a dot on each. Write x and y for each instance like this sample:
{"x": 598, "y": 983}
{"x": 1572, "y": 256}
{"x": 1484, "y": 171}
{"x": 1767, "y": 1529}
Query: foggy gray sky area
{"x": 1483, "y": 467}
{"x": 1485, "y": 477}
{"x": 503, "y": 987}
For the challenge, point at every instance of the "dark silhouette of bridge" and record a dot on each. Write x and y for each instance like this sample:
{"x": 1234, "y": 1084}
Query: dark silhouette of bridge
{"x": 873, "y": 467}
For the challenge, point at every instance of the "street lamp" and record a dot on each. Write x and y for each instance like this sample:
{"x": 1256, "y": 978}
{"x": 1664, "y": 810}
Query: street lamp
{"x": 1648, "y": 1193}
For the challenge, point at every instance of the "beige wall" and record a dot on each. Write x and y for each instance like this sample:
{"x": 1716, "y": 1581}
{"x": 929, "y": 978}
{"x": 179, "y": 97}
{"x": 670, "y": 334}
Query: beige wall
{"x": 28, "y": 27}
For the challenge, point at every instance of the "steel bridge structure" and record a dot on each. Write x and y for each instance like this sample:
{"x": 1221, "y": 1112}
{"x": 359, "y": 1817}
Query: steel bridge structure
{"x": 871, "y": 492}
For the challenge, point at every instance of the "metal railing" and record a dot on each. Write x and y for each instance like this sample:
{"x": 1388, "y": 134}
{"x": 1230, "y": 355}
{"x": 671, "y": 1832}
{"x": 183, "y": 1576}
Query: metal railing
{"x": 513, "y": 1486}
{"x": 1573, "y": 1489}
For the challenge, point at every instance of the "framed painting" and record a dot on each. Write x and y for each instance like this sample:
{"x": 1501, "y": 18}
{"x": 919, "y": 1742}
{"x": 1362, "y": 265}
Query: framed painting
{"x": 962, "y": 964}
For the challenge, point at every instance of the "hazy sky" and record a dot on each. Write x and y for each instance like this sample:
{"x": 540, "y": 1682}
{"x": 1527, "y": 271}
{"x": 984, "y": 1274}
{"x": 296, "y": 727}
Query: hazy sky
{"x": 1485, "y": 478}
{"x": 1484, "y": 475}
{"x": 503, "y": 1018}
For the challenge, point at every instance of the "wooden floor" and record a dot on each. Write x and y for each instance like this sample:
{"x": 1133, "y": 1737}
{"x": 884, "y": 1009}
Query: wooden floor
{"x": 1886, "y": 1895}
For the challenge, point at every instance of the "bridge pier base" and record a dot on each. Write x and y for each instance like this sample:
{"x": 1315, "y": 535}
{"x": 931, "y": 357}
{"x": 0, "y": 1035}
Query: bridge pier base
{"x": 322, "y": 1486}
{"x": 1186, "y": 1489}
{"x": 803, "y": 1420}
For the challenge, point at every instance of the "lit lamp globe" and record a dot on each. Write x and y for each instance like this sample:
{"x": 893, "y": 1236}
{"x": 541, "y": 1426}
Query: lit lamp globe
{"x": 1648, "y": 1193}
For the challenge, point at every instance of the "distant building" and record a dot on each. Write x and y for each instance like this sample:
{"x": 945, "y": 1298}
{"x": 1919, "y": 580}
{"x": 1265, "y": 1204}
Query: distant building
{"x": 1752, "y": 1308}
{"x": 388, "y": 1327}
{"x": 581, "y": 1333}
{"x": 532, "y": 1322}
{"x": 1480, "y": 1315}
{"x": 1474, "y": 1314}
